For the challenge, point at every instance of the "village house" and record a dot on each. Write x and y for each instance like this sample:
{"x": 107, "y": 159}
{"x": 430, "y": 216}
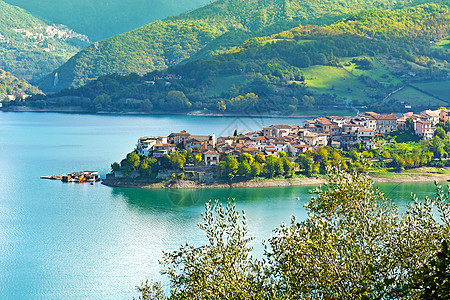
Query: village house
{"x": 146, "y": 144}
{"x": 211, "y": 157}
{"x": 298, "y": 149}
{"x": 425, "y": 129}
{"x": 271, "y": 150}
{"x": 226, "y": 140}
{"x": 159, "y": 150}
{"x": 178, "y": 137}
{"x": 200, "y": 141}
{"x": 366, "y": 137}
{"x": 251, "y": 150}
{"x": 323, "y": 125}
{"x": 279, "y": 130}
{"x": 385, "y": 123}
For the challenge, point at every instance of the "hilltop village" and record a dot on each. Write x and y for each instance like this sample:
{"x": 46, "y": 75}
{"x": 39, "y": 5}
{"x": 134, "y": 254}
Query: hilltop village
{"x": 279, "y": 149}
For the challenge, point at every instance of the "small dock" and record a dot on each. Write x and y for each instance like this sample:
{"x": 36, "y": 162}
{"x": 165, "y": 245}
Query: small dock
{"x": 77, "y": 177}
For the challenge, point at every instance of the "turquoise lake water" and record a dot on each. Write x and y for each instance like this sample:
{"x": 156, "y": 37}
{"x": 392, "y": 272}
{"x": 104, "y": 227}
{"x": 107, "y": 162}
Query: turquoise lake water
{"x": 77, "y": 241}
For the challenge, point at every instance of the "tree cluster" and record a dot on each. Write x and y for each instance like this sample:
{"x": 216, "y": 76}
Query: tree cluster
{"x": 354, "y": 244}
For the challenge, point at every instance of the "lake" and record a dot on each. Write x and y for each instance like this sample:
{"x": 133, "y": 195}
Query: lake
{"x": 78, "y": 241}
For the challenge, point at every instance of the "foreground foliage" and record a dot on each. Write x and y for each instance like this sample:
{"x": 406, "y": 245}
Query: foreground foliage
{"x": 354, "y": 244}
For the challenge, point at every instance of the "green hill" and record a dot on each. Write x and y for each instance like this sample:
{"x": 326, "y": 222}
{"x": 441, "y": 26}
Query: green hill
{"x": 31, "y": 47}
{"x": 11, "y": 86}
{"x": 377, "y": 59}
{"x": 213, "y": 29}
{"x": 100, "y": 19}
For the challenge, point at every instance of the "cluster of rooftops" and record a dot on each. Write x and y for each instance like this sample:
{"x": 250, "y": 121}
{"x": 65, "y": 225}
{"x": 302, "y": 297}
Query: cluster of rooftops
{"x": 334, "y": 131}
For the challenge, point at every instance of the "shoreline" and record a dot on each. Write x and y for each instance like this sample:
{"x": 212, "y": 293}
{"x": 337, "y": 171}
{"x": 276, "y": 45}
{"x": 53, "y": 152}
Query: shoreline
{"x": 312, "y": 181}
{"x": 76, "y": 110}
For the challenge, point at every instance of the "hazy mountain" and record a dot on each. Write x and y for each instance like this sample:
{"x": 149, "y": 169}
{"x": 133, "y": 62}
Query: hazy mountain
{"x": 215, "y": 28}
{"x": 100, "y": 19}
{"x": 31, "y": 47}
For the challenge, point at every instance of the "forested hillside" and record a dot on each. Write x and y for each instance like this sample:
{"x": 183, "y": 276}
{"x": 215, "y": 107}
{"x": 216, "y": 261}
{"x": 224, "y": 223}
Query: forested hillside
{"x": 100, "y": 19}
{"x": 213, "y": 29}
{"x": 387, "y": 60}
{"x": 14, "y": 87}
{"x": 31, "y": 47}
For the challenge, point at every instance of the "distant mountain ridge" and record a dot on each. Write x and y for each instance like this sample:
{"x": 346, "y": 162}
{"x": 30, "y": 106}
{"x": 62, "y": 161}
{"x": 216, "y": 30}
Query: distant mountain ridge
{"x": 100, "y": 19}
{"x": 31, "y": 47}
{"x": 176, "y": 39}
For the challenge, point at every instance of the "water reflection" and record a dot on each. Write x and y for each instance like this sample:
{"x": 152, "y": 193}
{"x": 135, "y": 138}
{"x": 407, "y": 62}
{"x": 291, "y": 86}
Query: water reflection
{"x": 150, "y": 199}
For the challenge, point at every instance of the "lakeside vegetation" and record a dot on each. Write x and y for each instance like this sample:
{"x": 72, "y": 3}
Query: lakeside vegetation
{"x": 354, "y": 243}
{"x": 364, "y": 60}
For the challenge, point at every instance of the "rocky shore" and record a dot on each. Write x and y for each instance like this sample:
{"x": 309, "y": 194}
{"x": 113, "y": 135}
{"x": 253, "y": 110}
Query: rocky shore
{"x": 265, "y": 183}
{"x": 195, "y": 185}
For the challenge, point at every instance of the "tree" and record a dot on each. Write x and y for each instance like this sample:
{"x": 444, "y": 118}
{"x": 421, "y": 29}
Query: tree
{"x": 198, "y": 158}
{"x": 147, "y": 164}
{"x": 133, "y": 160}
{"x": 244, "y": 168}
{"x": 279, "y": 168}
{"x": 322, "y": 152}
{"x": 260, "y": 158}
{"x": 398, "y": 162}
{"x": 247, "y": 157}
{"x": 409, "y": 123}
{"x": 222, "y": 268}
{"x": 115, "y": 167}
{"x": 367, "y": 155}
{"x": 386, "y": 154}
{"x": 176, "y": 101}
{"x": 271, "y": 165}
{"x": 307, "y": 164}
{"x": 353, "y": 240}
{"x": 177, "y": 160}
{"x": 440, "y": 133}
{"x": 308, "y": 101}
{"x": 432, "y": 280}
{"x": 288, "y": 166}
{"x": 256, "y": 169}
{"x": 102, "y": 101}
{"x": 232, "y": 165}
{"x": 354, "y": 155}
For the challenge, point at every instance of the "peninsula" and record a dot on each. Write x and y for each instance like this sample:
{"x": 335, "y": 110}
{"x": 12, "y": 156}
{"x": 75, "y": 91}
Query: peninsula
{"x": 410, "y": 147}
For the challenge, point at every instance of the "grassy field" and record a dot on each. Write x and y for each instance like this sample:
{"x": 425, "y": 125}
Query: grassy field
{"x": 439, "y": 89}
{"x": 445, "y": 44}
{"x": 423, "y": 171}
{"x": 415, "y": 98}
{"x": 334, "y": 80}
{"x": 378, "y": 72}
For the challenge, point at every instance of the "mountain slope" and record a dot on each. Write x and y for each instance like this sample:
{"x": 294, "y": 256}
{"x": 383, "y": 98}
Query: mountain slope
{"x": 31, "y": 47}
{"x": 176, "y": 39}
{"x": 100, "y": 19}
{"x": 380, "y": 59}
{"x": 13, "y": 87}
